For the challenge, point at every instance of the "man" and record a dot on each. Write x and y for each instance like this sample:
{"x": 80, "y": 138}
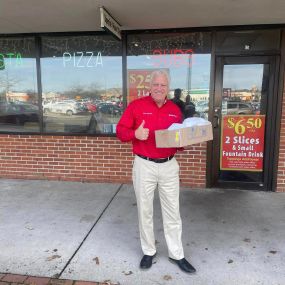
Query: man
{"x": 155, "y": 167}
{"x": 190, "y": 109}
{"x": 178, "y": 101}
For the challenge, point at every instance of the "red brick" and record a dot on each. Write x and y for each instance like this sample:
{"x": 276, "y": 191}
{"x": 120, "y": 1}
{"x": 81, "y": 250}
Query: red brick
{"x": 101, "y": 159}
{"x": 37, "y": 280}
{"x": 61, "y": 282}
{"x": 14, "y": 278}
{"x": 2, "y": 275}
{"x": 85, "y": 283}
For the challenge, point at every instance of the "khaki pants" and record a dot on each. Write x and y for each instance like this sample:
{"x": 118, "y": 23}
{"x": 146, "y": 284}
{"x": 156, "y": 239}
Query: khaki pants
{"x": 148, "y": 175}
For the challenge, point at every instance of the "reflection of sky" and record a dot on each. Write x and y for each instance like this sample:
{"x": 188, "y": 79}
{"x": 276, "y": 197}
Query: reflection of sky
{"x": 59, "y": 75}
{"x": 21, "y": 75}
{"x": 243, "y": 76}
{"x": 180, "y": 69}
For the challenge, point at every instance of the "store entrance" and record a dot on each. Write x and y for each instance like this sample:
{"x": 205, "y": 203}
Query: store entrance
{"x": 243, "y": 122}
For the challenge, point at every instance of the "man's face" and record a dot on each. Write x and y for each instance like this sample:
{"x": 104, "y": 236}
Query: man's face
{"x": 159, "y": 89}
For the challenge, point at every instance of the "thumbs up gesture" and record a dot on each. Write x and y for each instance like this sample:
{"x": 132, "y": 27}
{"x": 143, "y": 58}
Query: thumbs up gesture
{"x": 142, "y": 133}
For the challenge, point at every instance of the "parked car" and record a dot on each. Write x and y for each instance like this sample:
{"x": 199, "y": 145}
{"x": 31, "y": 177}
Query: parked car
{"x": 239, "y": 108}
{"x": 256, "y": 107}
{"x": 202, "y": 106}
{"x": 63, "y": 107}
{"x": 110, "y": 109}
{"x": 91, "y": 107}
{"x": 18, "y": 114}
{"x": 120, "y": 104}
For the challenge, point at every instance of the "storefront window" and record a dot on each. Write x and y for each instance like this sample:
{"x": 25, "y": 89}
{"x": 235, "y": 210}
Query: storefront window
{"x": 185, "y": 56}
{"x": 81, "y": 84}
{"x": 19, "y": 110}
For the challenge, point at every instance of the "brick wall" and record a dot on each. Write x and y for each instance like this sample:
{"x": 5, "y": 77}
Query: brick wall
{"x": 86, "y": 159}
{"x": 281, "y": 162}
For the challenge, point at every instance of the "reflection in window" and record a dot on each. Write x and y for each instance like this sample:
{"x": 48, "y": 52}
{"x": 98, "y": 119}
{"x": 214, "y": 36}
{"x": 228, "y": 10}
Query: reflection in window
{"x": 242, "y": 88}
{"x": 82, "y": 84}
{"x": 19, "y": 110}
{"x": 185, "y": 56}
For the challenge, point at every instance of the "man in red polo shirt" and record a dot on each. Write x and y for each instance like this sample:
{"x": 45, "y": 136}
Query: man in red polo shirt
{"x": 155, "y": 168}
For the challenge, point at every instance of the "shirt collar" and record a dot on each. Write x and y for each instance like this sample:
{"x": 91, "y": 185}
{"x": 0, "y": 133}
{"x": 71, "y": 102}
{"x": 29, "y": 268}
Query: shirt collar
{"x": 165, "y": 100}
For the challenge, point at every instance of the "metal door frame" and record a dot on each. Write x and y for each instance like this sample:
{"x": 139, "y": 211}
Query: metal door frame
{"x": 271, "y": 121}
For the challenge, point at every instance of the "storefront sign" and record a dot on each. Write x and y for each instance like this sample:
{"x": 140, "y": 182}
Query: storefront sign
{"x": 172, "y": 58}
{"x": 109, "y": 23}
{"x": 242, "y": 142}
{"x": 10, "y": 58}
{"x": 82, "y": 59}
{"x": 139, "y": 83}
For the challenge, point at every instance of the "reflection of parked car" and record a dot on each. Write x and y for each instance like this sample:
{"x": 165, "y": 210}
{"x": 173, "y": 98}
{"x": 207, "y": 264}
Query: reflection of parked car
{"x": 91, "y": 107}
{"x": 110, "y": 109}
{"x": 68, "y": 108}
{"x": 256, "y": 107}
{"x": 18, "y": 114}
{"x": 202, "y": 106}
{"x": 81, "y": 106}
{"x": 240, "y": 108}
{"x": 120, "y": 104}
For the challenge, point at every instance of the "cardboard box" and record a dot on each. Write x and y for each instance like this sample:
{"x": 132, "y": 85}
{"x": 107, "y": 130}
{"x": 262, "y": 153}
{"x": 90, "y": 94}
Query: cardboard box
{"x": 184, "y": 136}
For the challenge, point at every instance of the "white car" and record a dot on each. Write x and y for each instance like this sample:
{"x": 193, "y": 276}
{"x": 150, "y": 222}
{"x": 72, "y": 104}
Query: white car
{"x": 68, "y": 108}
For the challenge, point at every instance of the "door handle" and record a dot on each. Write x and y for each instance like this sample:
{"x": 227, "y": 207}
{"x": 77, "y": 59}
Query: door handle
{"x": 216, "y": 119}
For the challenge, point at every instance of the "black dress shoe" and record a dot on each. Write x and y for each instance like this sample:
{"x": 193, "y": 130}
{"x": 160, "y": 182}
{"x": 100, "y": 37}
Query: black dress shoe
{"x": 184, "y": 265}
{"x": 146, "y": 261}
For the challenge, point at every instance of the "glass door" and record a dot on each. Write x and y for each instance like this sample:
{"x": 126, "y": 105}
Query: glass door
{"x": 243, "y": 113}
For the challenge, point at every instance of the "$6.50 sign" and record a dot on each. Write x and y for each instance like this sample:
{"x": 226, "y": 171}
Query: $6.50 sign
{"x": 242, "y": 142}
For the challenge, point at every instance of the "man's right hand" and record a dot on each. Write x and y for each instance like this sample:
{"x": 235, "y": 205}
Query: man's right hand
{"x": 142, "y": 133}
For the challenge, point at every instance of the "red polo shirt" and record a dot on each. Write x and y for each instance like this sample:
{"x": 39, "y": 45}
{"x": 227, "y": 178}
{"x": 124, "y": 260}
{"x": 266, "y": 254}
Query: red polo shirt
{"x": 155, "y": 119}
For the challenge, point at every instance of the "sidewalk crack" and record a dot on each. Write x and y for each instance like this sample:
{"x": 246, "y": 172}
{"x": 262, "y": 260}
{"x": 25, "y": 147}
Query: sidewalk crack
{"x": 91, "y": 229}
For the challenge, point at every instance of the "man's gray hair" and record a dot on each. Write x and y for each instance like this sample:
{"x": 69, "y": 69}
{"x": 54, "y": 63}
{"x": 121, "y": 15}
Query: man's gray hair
{"x": 160, "y": 72}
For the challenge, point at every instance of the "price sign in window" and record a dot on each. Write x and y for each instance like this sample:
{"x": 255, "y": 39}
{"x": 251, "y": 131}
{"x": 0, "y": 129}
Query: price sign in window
{"x": 242, "y": 142}
{"x": 139, "y": 83}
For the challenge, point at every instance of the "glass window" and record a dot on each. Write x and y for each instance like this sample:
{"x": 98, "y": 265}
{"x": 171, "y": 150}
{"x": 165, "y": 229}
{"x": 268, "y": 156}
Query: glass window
{"x": 81, "y": 84}
{"x": 185, "y": 56}
{"x": 19, "y": 110}
{"x": 242, "y": 95}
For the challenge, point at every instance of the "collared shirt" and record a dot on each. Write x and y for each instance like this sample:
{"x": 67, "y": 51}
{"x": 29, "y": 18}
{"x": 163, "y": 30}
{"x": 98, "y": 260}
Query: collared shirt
{"x": 155, "y": 119}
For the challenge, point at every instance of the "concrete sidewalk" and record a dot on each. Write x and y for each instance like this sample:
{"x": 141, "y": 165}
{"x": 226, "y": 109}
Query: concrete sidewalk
{"x": 83, "y": 231}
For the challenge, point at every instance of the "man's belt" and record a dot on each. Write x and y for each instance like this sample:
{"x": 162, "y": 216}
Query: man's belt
{"x": 157, "y": 160}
